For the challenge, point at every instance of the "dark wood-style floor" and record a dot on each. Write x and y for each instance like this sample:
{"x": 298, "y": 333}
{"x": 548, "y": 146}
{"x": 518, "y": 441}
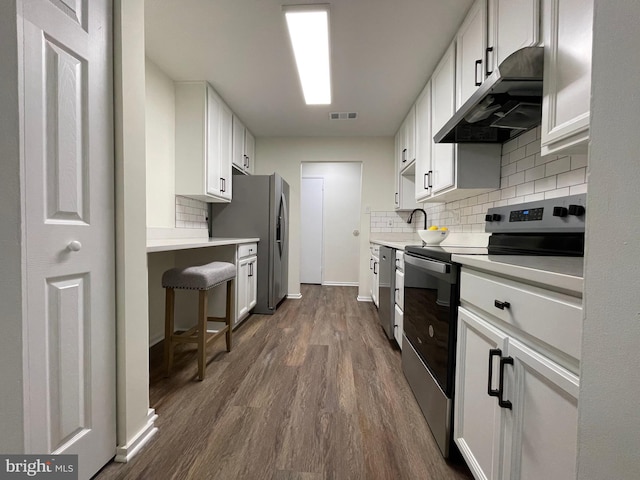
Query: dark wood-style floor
{"x": 315, "y": 391}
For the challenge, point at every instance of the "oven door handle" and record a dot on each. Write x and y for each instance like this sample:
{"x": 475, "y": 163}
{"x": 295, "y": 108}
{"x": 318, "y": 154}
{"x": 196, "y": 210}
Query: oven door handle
{"x": 425, "y": 264}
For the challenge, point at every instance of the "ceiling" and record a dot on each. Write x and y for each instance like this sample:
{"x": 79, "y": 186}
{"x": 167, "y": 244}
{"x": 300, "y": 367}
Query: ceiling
{"x": 382, "y": 53}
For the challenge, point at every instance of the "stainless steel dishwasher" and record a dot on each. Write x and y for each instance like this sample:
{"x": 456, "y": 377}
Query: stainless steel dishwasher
{"x": 386, "y": 299}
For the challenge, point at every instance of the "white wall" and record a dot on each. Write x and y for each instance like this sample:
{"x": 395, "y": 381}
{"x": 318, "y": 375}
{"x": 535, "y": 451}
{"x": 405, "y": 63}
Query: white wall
{"x": 160, "y": 132}
{"x": 342, "y": 215}
{"x": 609, "y": 418}
{"x": 11, "y": 411}
{"x": 131, "y": 233}
{"x": 285, "y": 155}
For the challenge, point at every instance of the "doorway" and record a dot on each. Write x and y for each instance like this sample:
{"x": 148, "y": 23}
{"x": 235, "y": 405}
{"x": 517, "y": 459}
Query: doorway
{"x": 335, "y": 249}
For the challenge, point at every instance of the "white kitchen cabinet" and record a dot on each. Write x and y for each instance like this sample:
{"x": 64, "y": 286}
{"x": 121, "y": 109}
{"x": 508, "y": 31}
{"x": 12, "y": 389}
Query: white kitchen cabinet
{"x": 512, "y": 25}
{"x": 470, "y": 52}
{"x": 457, "y": 170}
{"x": 516, "y": 381}
{"x": 203, "y": 143}
{"x": 246, "y": 280}
{"x": 404, "y": 195}
{"x": 374, "y": 267}
{"x": 568, "y": 38}
{"x": 399, "y": 297}
{"x": 424, "y": 140}
{"x": 243, "y": 147}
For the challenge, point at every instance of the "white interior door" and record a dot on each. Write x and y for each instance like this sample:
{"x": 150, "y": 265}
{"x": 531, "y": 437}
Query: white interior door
{"x": 70, "y": 253}
{"x": 311, "y": 226}
{"x": 341, "y": 210}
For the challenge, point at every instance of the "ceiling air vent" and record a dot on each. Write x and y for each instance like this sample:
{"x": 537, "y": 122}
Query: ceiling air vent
{"x": 343, "y": 115}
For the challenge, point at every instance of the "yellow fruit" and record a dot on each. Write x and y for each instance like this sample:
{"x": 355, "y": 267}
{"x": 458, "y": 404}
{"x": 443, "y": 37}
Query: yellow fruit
{"x": 444, "y": 228}
{"x": 433, "y": 227}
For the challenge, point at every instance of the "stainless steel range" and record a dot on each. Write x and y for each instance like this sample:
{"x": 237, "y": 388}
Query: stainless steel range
{"x": 431, "y": 295}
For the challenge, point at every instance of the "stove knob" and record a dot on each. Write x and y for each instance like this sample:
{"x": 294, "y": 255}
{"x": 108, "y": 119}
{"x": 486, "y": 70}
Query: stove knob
{"x": 577, "y": 210}
{"x": 496, "y": 217}
{"x": 488, "y": 218}
{"x": 560, "y": 211}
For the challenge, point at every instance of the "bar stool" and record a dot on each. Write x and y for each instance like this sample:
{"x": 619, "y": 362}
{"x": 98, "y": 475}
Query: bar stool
{"x": 201, "y": 278}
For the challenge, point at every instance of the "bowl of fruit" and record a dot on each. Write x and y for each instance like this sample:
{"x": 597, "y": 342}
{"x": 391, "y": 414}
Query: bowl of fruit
{"x": 434, "y": 235}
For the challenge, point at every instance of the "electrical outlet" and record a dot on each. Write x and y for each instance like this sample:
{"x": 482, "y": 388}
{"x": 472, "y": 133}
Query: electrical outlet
{"x": 389, "y": 223}
{"x": 456, "y": 216}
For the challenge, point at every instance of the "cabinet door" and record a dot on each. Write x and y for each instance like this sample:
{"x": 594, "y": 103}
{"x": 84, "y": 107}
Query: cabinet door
{"x": 568, "y": 27}
{"x": 424, "y": 139}
{"x": 470, "y": 49}
{"x": 376, "y": 281}
{"x": 238, "y": 143}
{"x": 478, "y": 418}
{"x": 214, "y": 119}
{"x": 252, "y": 283}
{"x": 399, "y": 293}
{"x": 226, "y": 151}
{"x": 242, "y": 280}
{"x": 442, "y": 109}
{"x": 542, "y": 426}
{"x": 398, "y": 317}
{"x": 512, "y": 25}
{"x": 249, "y": 151}
{"x": 397, "y": 166}
{"x": 410, "y": 136}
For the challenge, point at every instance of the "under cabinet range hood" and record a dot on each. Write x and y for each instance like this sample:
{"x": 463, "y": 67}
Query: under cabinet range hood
{"x": 508, "y": 102}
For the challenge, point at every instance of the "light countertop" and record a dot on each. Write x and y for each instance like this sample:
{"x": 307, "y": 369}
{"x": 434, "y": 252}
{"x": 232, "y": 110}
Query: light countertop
{"x": 397, "y": 244}
{"x": 564, "y": 273}
{"x": 167, "y": 244}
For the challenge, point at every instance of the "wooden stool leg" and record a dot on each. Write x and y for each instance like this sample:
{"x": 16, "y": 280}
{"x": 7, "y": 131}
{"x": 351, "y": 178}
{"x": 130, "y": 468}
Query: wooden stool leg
{"x": 168, "y": 329}
{"x": 229, "y": 314}
{"x": 202, "y": 333}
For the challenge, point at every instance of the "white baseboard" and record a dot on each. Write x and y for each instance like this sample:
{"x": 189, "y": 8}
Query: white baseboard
{"x": 128, "y": 451}
{"x": 294, "y": 296}
{"x": 156, "y": 339}
{"x": 364, "y": 298}
{"x": 340, "y": 284}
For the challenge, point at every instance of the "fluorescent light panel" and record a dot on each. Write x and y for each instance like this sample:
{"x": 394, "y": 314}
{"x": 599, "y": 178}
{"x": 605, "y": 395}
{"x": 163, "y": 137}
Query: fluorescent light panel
{"x": 309, "y": 32}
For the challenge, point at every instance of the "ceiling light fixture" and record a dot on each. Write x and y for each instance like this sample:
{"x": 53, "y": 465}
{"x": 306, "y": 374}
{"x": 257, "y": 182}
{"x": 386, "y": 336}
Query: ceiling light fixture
{"x": 309, "y": 32}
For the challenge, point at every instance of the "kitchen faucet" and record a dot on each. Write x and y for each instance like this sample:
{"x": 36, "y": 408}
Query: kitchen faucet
{"x": 418, "y": 210}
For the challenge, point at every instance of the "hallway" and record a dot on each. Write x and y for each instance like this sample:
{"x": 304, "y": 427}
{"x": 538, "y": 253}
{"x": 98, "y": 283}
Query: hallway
{"x": 315, "y": 391}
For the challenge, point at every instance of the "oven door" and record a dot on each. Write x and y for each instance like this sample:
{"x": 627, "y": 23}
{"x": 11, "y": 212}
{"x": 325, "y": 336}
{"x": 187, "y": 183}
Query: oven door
{"x": 430, "y": 307}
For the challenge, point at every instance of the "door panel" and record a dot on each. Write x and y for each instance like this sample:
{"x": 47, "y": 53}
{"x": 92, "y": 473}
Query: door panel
{"x": 311, "y": 224}
{"x": 69, "y": 225}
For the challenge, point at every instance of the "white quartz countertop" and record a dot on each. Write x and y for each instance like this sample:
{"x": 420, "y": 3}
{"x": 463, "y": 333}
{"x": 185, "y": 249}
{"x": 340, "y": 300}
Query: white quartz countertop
{"x": 167, "y": 244}
{"x": 397, "y": 244}
{"x": 564, "y": 273}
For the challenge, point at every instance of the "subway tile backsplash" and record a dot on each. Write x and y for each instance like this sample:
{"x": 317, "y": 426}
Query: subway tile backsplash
{"x": 190, "y": 213}
{"x": 525, "y": 176}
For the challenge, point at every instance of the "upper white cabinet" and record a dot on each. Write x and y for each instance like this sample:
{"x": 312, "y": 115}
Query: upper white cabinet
{"x": 457, "y": 170}
{"x": 470, "y": 52}
{"x": 423, "y": 144}
{"x": 512, "y": 25}
{"x": 405, "y": 154}
{"x": 568, "y": 34}
{"x": 203, "y": 143}
{"x": 243, "y": 147}
{"x": 442, "y": 109}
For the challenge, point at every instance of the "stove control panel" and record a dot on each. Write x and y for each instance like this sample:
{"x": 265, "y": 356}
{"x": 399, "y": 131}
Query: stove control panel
{"x": 563, "y": 214}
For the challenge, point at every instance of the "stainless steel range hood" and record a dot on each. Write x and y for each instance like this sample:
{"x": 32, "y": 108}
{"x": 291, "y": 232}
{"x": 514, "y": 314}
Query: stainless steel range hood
{"x": 509, "y": 101}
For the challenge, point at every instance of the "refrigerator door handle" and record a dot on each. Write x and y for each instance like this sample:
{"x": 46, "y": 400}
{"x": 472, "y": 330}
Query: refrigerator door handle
{"x": 281, "y": 228}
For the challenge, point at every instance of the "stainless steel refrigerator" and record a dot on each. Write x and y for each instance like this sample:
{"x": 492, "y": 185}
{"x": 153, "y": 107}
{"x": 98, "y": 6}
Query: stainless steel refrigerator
{"x": 259, "y": 208}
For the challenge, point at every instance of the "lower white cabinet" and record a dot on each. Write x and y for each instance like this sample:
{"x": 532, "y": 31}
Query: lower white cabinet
{"x": 398, "y": 312}
{"x": 516, "y": 405}
{"x": 246, "y": 281}
{"x": 374, "y": 268}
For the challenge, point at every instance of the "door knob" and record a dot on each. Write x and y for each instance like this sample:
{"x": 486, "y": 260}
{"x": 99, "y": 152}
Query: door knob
{"x": 74, "y": 246}
{"x": 356, "y": 233}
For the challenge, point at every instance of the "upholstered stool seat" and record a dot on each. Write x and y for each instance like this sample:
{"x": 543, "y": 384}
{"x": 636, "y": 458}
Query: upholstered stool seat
{"x": 201, "y": 278}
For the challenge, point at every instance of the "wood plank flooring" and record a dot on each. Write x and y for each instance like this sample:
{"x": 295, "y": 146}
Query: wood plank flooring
{"x": 315, "y": 391}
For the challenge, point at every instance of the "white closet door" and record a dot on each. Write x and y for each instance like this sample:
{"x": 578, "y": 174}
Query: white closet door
{"x": 311, "y": 223}
{"x": 69, "y": 213}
